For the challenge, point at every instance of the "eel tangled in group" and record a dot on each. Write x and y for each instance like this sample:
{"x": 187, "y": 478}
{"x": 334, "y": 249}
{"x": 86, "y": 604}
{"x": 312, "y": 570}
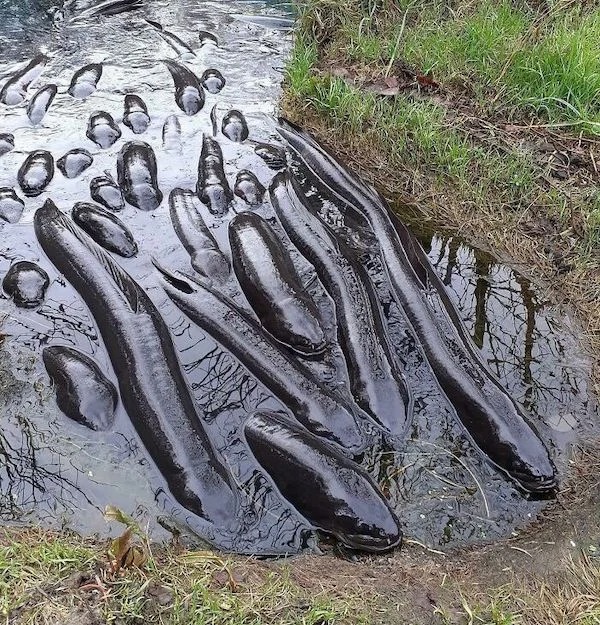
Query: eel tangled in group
{"x": 251, "y": 294}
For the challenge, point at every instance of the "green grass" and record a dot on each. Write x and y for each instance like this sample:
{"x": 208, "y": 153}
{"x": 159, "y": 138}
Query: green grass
{"x": 501, "y": 62}
{"x": 176, "y": 587}
{"x": 507, "y": 53}
{"x": 36, "y": 586}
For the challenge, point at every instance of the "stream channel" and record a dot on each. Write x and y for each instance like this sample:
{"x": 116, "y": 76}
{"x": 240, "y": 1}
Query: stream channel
{"x": 58, "y": 473}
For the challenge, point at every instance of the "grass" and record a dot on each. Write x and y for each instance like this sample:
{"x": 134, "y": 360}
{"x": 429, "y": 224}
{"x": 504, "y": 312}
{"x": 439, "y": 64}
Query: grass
{"x": 62, "y": 578}
{"x": 46, "y": 578}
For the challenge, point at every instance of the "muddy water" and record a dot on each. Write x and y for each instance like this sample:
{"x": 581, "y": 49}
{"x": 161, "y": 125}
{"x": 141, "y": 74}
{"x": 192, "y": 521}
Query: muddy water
{"x": 59, "y": 473}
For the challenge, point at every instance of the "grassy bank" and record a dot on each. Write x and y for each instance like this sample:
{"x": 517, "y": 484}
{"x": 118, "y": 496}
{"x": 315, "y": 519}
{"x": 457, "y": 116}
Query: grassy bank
{"x": 481, "y": 116}
{"x": 550, "y": 576}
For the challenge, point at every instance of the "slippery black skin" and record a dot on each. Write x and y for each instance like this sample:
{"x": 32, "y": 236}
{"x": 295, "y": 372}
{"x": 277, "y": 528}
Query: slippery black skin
{"x": 40, "y": 103}
{"x": 207, "y": 38}
{"x": 171, "y": 133}
{"x": 109, "y": 7}
{"x": 135, "y": 114}
{"x": 248, "y": 188}
{"x": 323, "y": 411}
{"x": 36, "y": 172}
{"x": 74, "y": 162}
{"x": 105, "y": 228}
{"x": 137, "y": 175}
{"x": 104, "y": 190}
{"x": 212, "y": 187}
{"x": 212, "y": 80}
{"x": 189, "y": 94}
{"x": 85, "y": 81}
{"x": 11, "y": 205}
{"x": 376, "y": 383}
{"x": 102, "y": 129}
{"x": 173, "y": 40}
{"x": 332, "y": 492}
{"x": 234, "y": 126}
{"x": 495, "y": 422}
{"x": 83, "y": 393}
{"x": 205, "y": 255}
{"x": 152, "y": 387}
{"x": 7, "y": 143}
{"x": 26, "y": 283}
{"x": 15, "y": 88}
{"x": 273, "y": 155}
{"x": 272, "y": 286}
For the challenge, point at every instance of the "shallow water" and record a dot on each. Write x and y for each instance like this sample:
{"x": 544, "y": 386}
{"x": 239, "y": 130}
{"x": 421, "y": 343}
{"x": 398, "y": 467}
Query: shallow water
{"x": 60, "y": 473}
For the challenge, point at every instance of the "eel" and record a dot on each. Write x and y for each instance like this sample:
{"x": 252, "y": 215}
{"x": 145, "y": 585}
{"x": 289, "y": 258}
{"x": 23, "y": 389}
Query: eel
{"x": 171, "y": 134}
{"x": 205, "y": 255}
{"x": 273, "y": 155}
{"x": 325, "y": 412}
{"x": 108, "y": 7}
{"x": 180, "y": 46}
{"x": 85, "y": 81}
{"x": 212, "y": 186}
{"x": 74, "y": 162}
{"x": 212, "y": 80}
{"x": 332, "y": 492}
{"x": 11, "y": 205}
{"x": 248, "y": 188}
{"x": 207, "y": 38}
{"x": 234, "y": 126}
{"x": 376, "y": 383}
{"x": 83, "y": 393}
{"x": 271, "y": 283}
{"x": 105, "y": 228}
{"x": 36, "y": 173}
{"x": 152, "y": 387}
{"x": 105, "y": 191}
{"x": 40, "y": 103}
{"x": 138, "y": 176}
{"x": 15, "y": 88}
{"x": 26, "y": 283}
{"x": 102, "y": 129}
{"x": 135, "y": 114}
{"x": 7, "y": 143}
{"x": 189, "y": 94}
{"x": 492, "y": 418}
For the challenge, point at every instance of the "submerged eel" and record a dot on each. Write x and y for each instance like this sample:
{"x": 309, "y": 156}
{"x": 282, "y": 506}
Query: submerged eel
{"x": 331, "y": 491}
{"x": 271, "y": 283}
{"x": 322, "y": 411}
{"x": 492, "y": 418}
{"x": 375, "y": 382}
{"x": 152, "y": 387}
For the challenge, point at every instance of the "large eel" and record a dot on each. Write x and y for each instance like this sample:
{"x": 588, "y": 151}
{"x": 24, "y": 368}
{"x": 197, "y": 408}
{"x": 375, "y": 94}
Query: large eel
{"x": 331, "y": 491}
{"x": 205, "y": 255}
{"x": 492, "y": 418}
{"x": 375, "y": 382}
{"x": 272, "y": 286}
{"x": 153, "y": 390}
{"x": 322, "y": 411}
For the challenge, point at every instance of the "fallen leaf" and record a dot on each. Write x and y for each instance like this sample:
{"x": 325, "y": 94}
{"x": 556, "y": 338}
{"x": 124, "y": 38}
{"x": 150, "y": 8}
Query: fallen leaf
{"x": 426, "y": 81}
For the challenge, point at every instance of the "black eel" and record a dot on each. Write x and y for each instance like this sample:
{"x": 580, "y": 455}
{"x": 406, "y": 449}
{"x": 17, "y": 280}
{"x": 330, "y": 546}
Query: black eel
{"x": 324, "y": 412}
{"x": 375, "y": 382}
{"x": 493, "y": 419}
{"x": 331, "y": 491}
{"x": 153, "y": 389}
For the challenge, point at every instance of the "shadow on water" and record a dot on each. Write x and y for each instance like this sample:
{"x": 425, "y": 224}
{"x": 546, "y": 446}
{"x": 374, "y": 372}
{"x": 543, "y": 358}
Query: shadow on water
{"x": 57, "y": 472}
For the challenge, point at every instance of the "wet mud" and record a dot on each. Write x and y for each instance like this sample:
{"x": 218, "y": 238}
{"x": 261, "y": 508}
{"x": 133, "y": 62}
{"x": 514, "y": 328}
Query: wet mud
{"x": 190, "y": 328}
